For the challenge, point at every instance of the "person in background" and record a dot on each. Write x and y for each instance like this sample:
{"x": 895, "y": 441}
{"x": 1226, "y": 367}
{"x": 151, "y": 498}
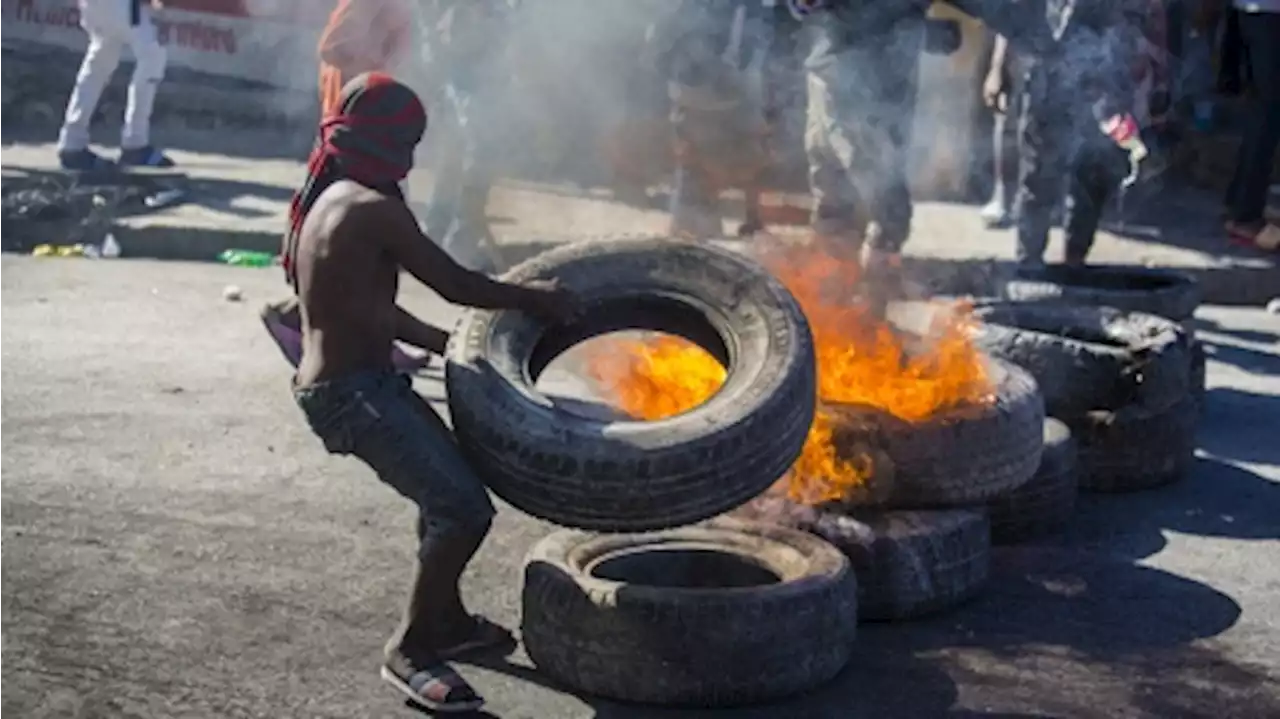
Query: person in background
{"x": 1246, "y": 198}
{"x": 362, "y": 36}
{"x": 860, "y": 63}
{"x": 350, "y": 236}
{"x": 1001, "y": 93}
{"x": 713, "y": 54}
{"x": 467, "y": 45}
{"x": 1076, "y": 121}
{"x": 113, "y": 24}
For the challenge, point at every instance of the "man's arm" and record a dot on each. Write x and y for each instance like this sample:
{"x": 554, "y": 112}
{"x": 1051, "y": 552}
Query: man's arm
{"x": 416, "y": 333}
{"x": 348, "y": 43}
{"x": 416, "y": 253}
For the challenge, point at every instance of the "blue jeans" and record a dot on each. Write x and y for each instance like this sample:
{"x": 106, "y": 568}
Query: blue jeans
{"x": 377, "y": 417}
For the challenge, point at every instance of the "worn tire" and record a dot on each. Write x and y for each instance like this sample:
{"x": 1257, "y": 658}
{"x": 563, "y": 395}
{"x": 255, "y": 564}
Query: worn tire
{"x": 1044, "y": 504}
{"x": 1155, "y": 291}
{"x": 969, "y": 455}
{"x": 1136, "y": 447}
{"x": 690, "y": 646}
{"x": 910, "y": 563}
{"x": 1197, "y": 373}
{"x": 1087, "y": 358}
{"x": 637, "y": 476}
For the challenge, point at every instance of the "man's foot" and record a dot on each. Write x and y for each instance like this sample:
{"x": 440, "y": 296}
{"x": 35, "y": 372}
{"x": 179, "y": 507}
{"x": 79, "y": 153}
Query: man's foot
{"x": 146, "y": 156}
{"x": 1259, "y": 236}
{"x": 996, "y": 216}
{"x": 85, "y": 160}
{"x": 431, "y": 684}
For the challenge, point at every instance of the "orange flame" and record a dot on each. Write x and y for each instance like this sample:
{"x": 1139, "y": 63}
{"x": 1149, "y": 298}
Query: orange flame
{"x": 861, "y": 360}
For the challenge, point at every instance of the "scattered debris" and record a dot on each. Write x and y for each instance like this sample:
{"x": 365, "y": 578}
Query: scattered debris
{"x": 1273, "y": 306}
{"x": 247, "y": 258}
{"x": 232, "y": 293}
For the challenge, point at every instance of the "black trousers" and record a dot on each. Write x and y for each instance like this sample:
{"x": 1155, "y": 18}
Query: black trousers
{"x": 1247, "y": 194}
{"x": 1061, "y": 148}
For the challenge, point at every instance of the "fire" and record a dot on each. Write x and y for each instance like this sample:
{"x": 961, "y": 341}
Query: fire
{"x": 861, "y": 359}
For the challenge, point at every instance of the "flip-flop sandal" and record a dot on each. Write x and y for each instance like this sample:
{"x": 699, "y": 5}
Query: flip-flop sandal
{"x": 485, "y": 637}
{"x": 436, "y": 688}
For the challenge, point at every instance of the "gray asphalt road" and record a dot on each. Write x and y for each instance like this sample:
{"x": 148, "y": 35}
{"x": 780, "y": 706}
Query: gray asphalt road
{"x": 177, "y": 545}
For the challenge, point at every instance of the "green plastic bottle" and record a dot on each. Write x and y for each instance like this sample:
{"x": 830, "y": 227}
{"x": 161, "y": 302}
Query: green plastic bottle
{"x": 247, "y": 258}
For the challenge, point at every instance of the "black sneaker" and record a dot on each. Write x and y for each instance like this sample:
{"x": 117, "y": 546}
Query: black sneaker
{"x": 85, "y": 160}
{"x": 147, "y": 156}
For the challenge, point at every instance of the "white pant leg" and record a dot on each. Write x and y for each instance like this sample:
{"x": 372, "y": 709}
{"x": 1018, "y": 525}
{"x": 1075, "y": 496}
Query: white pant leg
{"x": 107, "y": 22}
{"x": 151, "y": 60}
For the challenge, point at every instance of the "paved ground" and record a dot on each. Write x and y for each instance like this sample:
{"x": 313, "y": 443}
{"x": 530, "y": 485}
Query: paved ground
{"x": 239, "y": 193}
{"x": 177, "y": 545}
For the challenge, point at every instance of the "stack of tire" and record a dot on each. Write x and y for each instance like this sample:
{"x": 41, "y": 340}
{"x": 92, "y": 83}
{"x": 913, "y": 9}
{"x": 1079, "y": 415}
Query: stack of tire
{"x": 919, "y": 533}
{"x": 1115, "y": 361}
{"x": 607, "y": 609}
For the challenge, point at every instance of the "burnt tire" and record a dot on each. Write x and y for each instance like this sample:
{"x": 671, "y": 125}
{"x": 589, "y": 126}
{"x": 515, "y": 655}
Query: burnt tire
{"x": 1088, "y": 358}
{"x": 1045, "y": 503}
{"x": 640, "y": 642}
{"x": 1156, "y": 291}
{"x": 910, "y": 563}
{"x": 637, "y": 476}
{"x": 1136, "y": 447}
{"x": 968, "y": 455}
{"x": 1197, "y": 374}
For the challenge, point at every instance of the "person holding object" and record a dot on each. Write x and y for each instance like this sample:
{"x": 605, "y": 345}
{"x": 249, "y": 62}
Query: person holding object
{"x": 1001, "y": 91}
{"x": 1076, "y": 123}
{"x": 113, "y": 24}
{"x": 350, "y": 236}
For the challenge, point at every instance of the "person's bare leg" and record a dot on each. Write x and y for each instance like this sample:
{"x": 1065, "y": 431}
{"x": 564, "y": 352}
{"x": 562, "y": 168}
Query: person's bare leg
{"x": 435, "y": 618}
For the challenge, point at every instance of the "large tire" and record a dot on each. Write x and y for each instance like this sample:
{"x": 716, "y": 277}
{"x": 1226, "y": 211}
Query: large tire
{"x": 1136, "y": 447}
{"x": 637, "y": 476}
{"x": 1045, "y": 504}
{"x": 969, "y": 455}
{"x": 1088, "y": 358}
{"x": 1162, "y": 292}
{"x": 1197, "y": 373}
{"x": 910, "y": 564}
{"x": 689, "y": 645}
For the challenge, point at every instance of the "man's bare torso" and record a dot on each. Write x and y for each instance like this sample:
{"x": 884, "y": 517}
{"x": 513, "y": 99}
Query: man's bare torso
{"x": 347, "y": 283}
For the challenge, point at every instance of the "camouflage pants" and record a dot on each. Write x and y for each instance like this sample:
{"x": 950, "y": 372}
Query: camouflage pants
{"x": 857, "y": 137}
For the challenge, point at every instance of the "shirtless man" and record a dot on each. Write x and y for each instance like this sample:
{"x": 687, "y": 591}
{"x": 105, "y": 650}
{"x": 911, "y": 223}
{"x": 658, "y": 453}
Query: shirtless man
{"x": 351, "y": 235}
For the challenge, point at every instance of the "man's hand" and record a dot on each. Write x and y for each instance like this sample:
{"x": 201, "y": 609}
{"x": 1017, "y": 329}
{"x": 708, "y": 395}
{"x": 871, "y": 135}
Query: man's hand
{"x": 552, "y": 303}
{"x": 157, "y": 4}
{"x": 993, "y": 91}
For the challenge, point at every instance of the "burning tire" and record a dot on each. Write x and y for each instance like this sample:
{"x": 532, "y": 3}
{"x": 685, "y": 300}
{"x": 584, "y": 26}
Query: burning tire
{"x": 1136, "y": 447}
{"x": 637, "y": 476}
{"x": 721, "y": 614}
{"x": 1045, "y": 503}
{"x": 1088, "y": 358}
{"x": 1165, "y": 293}
{"x": 969, "y": 455}
{"x": 910, "y": 563}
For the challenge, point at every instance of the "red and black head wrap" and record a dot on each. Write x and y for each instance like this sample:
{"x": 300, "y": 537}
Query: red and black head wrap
{"x": 370, "y": 140}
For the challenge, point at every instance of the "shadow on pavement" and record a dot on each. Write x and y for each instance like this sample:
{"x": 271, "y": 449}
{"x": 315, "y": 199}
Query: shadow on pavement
{"x": 1240, "y": 425}
{"x": 1055, "y": 631}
